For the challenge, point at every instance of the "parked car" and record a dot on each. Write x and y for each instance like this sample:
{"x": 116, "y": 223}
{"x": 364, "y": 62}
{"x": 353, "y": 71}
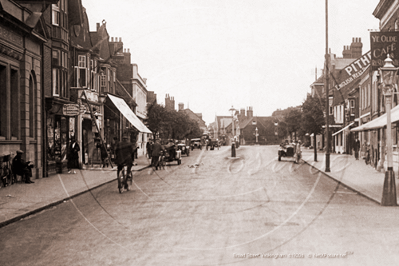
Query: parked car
{"x": 185, "y": 149}
{"x": 196, "y": 143}
{"x": 288, "y": 150}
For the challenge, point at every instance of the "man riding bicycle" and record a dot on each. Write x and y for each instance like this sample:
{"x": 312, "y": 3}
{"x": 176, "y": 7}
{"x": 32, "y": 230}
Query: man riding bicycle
{"x": 124, "y": 152}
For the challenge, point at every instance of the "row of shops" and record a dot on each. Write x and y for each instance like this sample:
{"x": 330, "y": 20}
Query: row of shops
{"x": 91, "y": 123}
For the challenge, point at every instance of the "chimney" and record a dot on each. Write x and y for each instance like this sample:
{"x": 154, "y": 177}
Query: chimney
{"x": 356, "y": 47}
{"x": 98, "y": 26}
{"x": 181, "y": 106}
{"x": 346, "y": 53}
{"x": 242, "y": 112}
{"x": 250, "y": 112}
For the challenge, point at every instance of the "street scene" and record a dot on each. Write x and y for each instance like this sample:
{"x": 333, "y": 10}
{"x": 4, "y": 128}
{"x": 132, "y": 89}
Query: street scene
{"x": 199, "y": 132}
{"x": 243, "y": 211}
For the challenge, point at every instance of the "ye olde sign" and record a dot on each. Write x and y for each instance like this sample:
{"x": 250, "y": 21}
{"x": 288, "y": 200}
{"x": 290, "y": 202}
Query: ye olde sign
{"x": 383, "y": 43}
{"x": 71, "y": 109}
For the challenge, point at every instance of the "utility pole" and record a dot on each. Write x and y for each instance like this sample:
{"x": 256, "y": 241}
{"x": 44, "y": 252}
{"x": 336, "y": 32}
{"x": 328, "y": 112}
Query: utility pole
{"x": 326, "y": 85}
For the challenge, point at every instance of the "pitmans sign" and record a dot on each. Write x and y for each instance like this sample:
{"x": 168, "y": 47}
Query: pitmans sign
{"x": 354, "y": 70}
{"x": 383, "y": 43}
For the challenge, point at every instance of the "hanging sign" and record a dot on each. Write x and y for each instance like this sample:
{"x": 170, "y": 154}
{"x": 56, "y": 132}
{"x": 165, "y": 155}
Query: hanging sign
{"x": 70, "y": 109}
{"x": 381, "y": 44}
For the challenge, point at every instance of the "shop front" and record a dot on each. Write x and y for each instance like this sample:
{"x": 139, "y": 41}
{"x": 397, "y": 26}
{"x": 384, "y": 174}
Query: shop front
{"x": 60, "y": 128}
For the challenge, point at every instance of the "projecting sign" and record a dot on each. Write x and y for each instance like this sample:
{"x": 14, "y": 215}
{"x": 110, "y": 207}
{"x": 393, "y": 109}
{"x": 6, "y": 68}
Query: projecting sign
{"x": 354, "y": 70}
{"x": 381, "y": 44}
{"x": 70, "y": 109}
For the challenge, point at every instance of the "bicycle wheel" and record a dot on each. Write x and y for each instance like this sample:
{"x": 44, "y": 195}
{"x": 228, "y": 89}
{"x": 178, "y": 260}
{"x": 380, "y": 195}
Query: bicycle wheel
{"x": 121, "y": 179}
{"x": 129, "y": 181}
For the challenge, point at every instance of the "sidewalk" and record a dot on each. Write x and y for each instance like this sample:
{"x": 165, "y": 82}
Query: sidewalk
{"x": 21, "y": 200}
{"x": 353, "y": 173}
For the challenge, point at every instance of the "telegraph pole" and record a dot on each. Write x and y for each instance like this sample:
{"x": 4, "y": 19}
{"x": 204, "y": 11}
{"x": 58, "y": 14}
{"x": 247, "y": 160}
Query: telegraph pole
{"x": 326, "y": 85}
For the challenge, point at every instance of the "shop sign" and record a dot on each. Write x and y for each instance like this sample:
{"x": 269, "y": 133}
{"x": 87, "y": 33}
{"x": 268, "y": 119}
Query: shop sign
{"x": 354, "y": 70}
{"x": 70, "y": 109}
{"x": 383, "y": 43}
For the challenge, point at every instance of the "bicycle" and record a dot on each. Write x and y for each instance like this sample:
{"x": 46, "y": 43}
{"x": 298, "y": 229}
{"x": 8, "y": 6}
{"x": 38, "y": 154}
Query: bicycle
{"x": 127, "y": 180}
{"x": 5, "y": 170}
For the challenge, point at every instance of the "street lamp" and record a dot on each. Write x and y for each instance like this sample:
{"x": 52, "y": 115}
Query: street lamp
{"x": 388, "y": 79}
{"x": 256, "y": 134}
{"x": 233, "y": 147}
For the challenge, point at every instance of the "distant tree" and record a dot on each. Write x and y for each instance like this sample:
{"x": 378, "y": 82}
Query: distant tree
{"x": 293, "y": 121}
{"x": 313, "y": 118}
{"x": 282, "y": 129}
{"x": 170, "y": 124}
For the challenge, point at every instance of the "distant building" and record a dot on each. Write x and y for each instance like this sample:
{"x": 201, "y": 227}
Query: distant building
{"x": 194, "y": 116}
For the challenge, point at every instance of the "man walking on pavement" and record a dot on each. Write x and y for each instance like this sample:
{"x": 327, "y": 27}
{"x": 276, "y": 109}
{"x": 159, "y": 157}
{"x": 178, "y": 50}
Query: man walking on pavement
{"x": 156, "y": 149}
{"x": 357, "y": 148}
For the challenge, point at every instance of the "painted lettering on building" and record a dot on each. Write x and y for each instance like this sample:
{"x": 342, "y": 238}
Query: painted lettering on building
{"x": 383, "y": 43}
{"x": 354, "y": 70}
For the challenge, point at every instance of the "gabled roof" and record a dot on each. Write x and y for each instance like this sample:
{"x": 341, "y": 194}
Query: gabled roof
{"x": 81, "y": 37}
{"x": 193, "y": 115}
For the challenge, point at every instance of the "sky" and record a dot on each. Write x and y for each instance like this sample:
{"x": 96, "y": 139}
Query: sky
{"x": 211, "y": 55}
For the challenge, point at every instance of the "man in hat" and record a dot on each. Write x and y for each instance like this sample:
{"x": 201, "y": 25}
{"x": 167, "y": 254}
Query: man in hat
{"x": 73, "y": 158}
{"x": 124, "y": 152}
{"x": 22, "y": 168}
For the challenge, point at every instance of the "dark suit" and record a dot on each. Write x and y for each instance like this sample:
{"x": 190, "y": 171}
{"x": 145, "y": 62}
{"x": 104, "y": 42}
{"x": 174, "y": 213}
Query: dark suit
{"x": 22, "y": 168}
{"x": 156, "y": 150}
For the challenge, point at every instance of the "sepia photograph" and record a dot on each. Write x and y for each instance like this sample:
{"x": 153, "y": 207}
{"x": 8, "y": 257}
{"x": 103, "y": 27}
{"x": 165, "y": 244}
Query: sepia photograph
{"x": 199, "y": 132}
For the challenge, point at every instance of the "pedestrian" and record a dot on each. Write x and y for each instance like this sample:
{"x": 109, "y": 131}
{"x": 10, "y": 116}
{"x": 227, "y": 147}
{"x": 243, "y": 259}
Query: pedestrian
{"x": 298, "y": 152}
{"x": 22, "y": 168}
{"x": 104, "y": 154}
{"x": 156, "y": 152}
{"x": 73, "y": 158}
{"x": 357, "y": 148}
{"x": 149, "y": 149}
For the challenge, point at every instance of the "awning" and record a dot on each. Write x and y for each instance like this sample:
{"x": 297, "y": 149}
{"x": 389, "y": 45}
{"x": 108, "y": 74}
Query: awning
{"x": 128, "y": 113}
{"x": 345, "y": 128}
{"x": 380, "y": 121}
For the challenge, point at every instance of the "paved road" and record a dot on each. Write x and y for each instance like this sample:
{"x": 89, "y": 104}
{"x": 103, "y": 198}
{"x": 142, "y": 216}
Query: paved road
{"x": 211, "y": 210}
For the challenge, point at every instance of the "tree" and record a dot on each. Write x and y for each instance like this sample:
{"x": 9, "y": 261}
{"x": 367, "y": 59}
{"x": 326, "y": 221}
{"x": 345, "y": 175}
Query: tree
{"x": 313, "y": 118}
{"x": 293, "y": 120}
{"x": 170, "y": 124}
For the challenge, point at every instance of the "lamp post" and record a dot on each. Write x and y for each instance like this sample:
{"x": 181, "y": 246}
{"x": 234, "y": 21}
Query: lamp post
{"x": 388, "y": 78}
{"x": 233, "y": 147}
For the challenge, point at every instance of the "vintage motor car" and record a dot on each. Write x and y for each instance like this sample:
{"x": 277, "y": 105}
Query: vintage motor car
{"x": 172, "y": 153}
{"x": 196, "y": 143}
{"x": 290, "y": 150}
{"x": 185, "y": 149}
{"x": 212, "y": 144}
{"x": 286, "y": 150}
